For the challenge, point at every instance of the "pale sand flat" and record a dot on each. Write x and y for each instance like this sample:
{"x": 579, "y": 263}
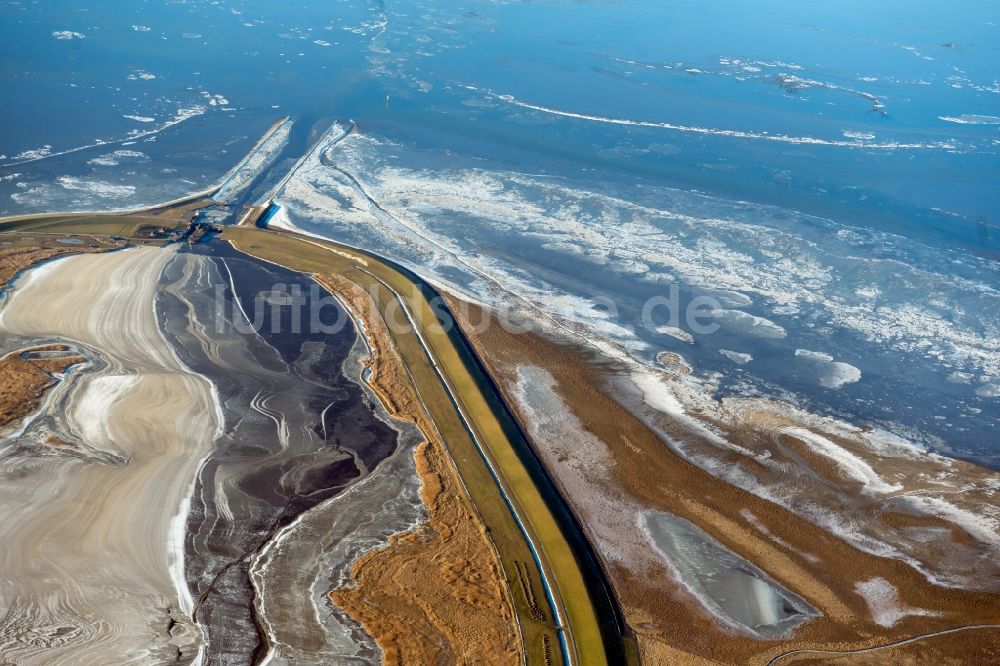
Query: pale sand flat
{"x": 92, "y": 568}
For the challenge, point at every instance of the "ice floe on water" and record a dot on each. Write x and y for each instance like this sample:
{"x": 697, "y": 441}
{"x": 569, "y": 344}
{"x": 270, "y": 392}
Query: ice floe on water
{"x": 31, "y": 154}
{"x": 830, "y": 373}
{"x": 554, "y": 252}
{"x": 97, "y": 188}
{"x": 818, "y": 357}
{"x": 989, "y": 390}
{"x": 674, "y": 332}
{"x": 729, "y": 299}
{"x": 77, "y": 193}
{"x": 140, "y": 75}
{"x": 745, "y": 322}
{"x": 736, "y": 357}
{"x": 560, "y": 251}
{"x": 117, "y": 157}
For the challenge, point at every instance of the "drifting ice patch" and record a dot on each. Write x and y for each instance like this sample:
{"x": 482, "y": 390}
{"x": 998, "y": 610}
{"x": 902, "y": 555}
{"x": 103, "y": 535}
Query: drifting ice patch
{"x": 736, "y": 357}
{"x": 677, "y": 333}
{"x": 830, "y": 374}
{"x": 750, "y": 324}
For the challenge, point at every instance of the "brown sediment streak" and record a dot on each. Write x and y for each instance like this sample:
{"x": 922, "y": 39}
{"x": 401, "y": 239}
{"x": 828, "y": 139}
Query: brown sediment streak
{"x": 24, "y": 380}
{"x": 613, "y": 467}
{"x": 436, "y": 593}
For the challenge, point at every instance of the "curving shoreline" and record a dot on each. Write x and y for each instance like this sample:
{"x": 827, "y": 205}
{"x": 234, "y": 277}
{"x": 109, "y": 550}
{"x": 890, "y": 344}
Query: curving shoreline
{"x": 180, "y": 308}
{"x": 447, "y": 562}
{"x": 139, "y": 404}
{"x": 385, "y": 577}
{"x": 613, "y": 464}
{"x": 588, "y": 643}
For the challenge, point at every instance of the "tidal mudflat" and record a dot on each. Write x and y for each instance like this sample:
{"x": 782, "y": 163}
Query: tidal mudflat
{"x": 188, "y": 486}
{"x": 807, "y": 472}
{"x": 784, "y": 538}
{"x": 136, "y": 422}
{"x": 307, "y": 473}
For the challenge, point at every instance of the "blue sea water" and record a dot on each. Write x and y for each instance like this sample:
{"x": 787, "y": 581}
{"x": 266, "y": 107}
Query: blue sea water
{"x": 837, "y": 164}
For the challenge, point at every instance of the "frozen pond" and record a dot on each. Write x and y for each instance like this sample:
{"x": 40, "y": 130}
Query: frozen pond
{"x": 730, "y": 587}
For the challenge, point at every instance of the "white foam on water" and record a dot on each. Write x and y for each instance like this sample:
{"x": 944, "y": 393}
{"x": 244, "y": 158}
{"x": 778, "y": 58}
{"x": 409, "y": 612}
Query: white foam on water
{"x": 67, "y": 34}
{"x": 735, "y": 134}
{"x": 183, "y": 114}
{"x": 97, "y": 188}
{"x": 971, "y": 119}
